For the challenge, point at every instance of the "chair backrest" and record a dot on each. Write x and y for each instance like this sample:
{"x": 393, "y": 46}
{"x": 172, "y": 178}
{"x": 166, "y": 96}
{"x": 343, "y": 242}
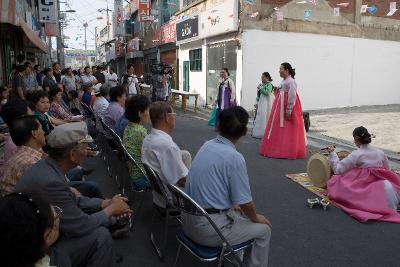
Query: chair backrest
{"x": 155, "y": 181}
{"x": 88, "y": 110}
{"x": 186, "y": 204}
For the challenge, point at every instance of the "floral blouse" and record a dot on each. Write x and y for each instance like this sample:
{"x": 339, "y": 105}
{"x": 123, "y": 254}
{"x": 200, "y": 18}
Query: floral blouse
{"x": 59, "y": 112}
{"x": 134, "y": 135}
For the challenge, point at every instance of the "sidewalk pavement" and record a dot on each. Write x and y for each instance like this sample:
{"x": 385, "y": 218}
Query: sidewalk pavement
{"x": 335, "y": 126}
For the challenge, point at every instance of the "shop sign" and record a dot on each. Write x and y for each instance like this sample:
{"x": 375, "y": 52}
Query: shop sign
{"x": 166, "y": 34}
{"x": 48, "y": 11}
{"x": 187, "y": 29}
{"x": 144, "y": 10}
{"x": 220, "y": 19}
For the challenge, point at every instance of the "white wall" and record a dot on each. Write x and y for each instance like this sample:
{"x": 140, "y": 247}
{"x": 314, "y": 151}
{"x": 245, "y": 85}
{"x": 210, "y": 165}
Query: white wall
{"x": 197, "y": 79}
{"x": 331, "y": 71}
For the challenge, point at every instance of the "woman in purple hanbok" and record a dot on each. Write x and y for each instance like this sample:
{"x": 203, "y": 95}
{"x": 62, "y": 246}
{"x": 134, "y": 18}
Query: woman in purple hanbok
{"x": 226, "y": 93}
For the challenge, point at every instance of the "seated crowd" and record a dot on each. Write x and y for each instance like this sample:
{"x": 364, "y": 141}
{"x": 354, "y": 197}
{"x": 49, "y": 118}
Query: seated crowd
{"x": 52, "y": 216}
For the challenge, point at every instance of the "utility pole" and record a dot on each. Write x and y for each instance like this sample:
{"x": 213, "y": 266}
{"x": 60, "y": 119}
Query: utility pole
{"x": 59, "y": 44}
{"x": 108, "y": 24}
{"x": 85, "y": 25}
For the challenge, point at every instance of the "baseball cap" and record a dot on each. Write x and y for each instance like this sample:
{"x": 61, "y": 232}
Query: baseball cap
{"x": 69, "y": 134}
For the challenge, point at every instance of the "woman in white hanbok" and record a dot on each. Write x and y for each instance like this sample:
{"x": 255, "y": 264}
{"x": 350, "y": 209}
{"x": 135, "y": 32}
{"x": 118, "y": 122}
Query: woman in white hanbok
{"x": 264, "y": 104}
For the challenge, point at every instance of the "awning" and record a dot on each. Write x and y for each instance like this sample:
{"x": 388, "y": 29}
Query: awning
{"x": 32, "y": 37}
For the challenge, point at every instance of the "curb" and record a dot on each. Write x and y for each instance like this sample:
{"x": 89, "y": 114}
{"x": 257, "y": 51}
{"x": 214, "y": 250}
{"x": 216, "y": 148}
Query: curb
{"x": 342, "y": 143}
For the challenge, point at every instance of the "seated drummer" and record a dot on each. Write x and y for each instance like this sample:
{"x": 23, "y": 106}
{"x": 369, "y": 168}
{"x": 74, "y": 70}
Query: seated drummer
{"x": 363, "y": 184}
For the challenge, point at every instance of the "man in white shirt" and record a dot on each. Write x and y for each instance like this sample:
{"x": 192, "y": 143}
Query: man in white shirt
{"x": 101, "y": 104}
{"x": 131, "y": 80}
{"x": 161, "y": 153}
{"x": 87, "y": 77}
{"x": 112, "y": 78}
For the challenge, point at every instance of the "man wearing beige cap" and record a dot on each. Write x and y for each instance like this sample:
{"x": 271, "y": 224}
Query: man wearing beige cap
{"x": 84, "y": 239}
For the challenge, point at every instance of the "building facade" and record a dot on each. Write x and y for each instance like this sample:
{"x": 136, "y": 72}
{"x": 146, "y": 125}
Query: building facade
{"x": 334, "y": 46}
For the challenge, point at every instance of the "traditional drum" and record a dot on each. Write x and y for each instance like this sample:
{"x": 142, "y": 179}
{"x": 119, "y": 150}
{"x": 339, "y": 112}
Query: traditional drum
{"x": 319, "y": 168}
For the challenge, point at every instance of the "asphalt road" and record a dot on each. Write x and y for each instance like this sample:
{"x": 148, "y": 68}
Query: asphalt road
{"x": 300, "y": 236}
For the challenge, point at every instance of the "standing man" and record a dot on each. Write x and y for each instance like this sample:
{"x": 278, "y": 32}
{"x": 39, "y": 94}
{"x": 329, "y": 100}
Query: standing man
{"x": 113, "y": 78}
{"x": 131, "y": 81}
{"x": 39, "y": 76}
{"x": 49, "y": 82}
{"x": 29, "y": 79}
{"x": 158, "y": 81}
{"x": 18, "y": 82}
{"x": 57, "y": 72}
{"x": 87, "y": 77}
{"x": 68, "y": 81}
{"x": 219, "y": 183}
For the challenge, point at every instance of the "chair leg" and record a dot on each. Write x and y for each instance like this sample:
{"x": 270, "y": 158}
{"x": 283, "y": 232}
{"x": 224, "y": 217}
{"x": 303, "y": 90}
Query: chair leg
{"x": 221, "y": 257}
{"x": 152, "y": 238}
{"x": 164, "y": 246}
{"x": 177, "y": 254}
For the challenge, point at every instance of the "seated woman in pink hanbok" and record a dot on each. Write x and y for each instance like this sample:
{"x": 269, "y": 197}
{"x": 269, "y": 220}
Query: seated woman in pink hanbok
{"x": 363, "y": 184}
{"x": 284, "y": 136}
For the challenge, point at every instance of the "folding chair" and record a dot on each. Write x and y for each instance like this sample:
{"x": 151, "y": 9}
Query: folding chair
{"x": 118, "y": 153}
{"x": 170, "y": 211}
{"x": 107, "y": 152}
{"x": 207, "y": 254}
{"x": 89, "y": 115}
{"x": 128, "y": 188}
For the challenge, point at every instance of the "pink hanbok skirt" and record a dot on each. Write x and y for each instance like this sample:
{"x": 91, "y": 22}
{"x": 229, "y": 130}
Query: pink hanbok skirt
{"x": 360, "y": 192}
{"x": 282, "y": 138}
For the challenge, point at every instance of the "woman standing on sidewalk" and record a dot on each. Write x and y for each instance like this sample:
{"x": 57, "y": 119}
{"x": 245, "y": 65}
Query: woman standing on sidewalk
{"x": 226, "y": 92}
{"x": 264, "y": 105}
{"x": 284, "y": 136}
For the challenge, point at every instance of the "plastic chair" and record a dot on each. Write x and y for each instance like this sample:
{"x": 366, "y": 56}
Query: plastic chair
{"x": 170, "y": 210}
{"x": 207, "y": 254}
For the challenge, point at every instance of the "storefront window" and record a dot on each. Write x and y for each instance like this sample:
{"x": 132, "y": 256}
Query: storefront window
{"x": 219, "y": 55}
{"x": 195, "y": 59}
{"x": 169, "y": 7}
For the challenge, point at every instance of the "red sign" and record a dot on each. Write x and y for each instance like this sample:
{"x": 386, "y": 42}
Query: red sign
{"x": 144, "y": 10}
{"x": 166, "y": 34}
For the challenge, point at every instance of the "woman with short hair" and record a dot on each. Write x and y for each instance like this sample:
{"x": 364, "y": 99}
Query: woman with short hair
{"x": 137, "y": 112}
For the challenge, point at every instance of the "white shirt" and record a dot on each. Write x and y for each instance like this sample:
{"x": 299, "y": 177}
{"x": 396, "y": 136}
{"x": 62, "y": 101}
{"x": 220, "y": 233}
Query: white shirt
{"x": 132, "y": 81}
{"x": 113, "y": 80}
{"x": 364, "y": 157}
{"x": 161, "y": 153}
{"x": 86, "y": 79}
{"x": 106, "y": 75}
{"x": 100, "y": 106}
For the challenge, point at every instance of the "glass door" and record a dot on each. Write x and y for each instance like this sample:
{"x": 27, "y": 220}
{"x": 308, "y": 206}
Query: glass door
{"x": 219, "y": 55}
{"x": 186, "y": 85}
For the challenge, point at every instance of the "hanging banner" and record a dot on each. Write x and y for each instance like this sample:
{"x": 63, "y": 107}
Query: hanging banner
{"x": 48, "y": 11}
{"x": 119, "y": 29}
{"x": 51, "y": 29}
{"x": 219, "y": 19}
{"x": 144, "y": 10}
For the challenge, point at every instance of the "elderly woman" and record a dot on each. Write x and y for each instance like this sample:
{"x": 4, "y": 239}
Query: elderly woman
{"x": 137, "y": 112}
{"x": 57, "y": 110}
{"x": 40, "y": 100}
{"x": 363, "y": 184}
{"x": 28, "y": 227}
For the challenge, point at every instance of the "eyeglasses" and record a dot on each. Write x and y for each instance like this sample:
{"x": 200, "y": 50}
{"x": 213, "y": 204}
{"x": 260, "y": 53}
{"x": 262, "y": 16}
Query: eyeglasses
{"x": 57, "y": 212}
{"x": 171, "y": 113}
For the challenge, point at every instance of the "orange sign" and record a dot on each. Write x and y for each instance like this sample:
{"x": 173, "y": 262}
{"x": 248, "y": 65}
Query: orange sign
{"x": 144, "y": 10}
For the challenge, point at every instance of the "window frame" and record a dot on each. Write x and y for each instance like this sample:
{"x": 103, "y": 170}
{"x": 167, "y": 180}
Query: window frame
{"x": 196, "y": 59}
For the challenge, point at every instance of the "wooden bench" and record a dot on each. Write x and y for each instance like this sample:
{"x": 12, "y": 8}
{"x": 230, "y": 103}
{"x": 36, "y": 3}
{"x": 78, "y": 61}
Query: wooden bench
{"x": 184, "y": 94}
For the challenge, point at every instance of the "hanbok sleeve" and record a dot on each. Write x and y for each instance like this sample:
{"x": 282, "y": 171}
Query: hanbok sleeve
{"x": 233, "y": 88}
{"x": 341, "y": 166}
{"x": 291, "y": 96}
{"x": 266, "y": 89}
{"x": 386, "y": 163}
